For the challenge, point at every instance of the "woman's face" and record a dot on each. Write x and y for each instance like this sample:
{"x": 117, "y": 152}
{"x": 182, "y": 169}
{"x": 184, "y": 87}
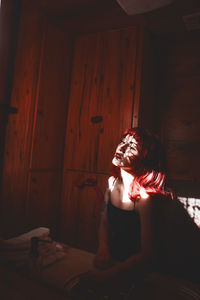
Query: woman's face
{"x": 126, "y": 152}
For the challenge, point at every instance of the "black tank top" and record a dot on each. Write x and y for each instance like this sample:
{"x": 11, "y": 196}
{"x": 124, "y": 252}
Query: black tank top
{"x": 124, "y": 232}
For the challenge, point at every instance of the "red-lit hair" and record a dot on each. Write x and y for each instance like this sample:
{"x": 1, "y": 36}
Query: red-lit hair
{"x": 148, "y": 167}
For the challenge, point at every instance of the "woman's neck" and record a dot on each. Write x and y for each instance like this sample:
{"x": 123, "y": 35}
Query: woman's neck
{"x": 127, "y": 178}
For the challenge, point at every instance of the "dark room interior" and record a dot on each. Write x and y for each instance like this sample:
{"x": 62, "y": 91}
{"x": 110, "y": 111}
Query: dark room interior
{"x": 74, "y": 75}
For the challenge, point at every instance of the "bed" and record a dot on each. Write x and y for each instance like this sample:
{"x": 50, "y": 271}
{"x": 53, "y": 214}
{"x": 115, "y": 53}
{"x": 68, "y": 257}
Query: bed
{"x": 33, "y": 267}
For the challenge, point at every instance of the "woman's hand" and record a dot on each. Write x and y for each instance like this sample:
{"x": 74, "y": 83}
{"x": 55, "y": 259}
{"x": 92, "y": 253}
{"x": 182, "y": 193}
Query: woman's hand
{"x": 103, "y": 259}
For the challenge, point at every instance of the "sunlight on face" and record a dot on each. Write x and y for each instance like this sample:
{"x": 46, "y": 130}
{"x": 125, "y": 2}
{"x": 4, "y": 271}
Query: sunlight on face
{"x": 126, "y": 151}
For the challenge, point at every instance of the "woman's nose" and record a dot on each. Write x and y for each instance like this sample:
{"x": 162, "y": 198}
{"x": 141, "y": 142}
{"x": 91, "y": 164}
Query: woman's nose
{"x": 123, "y": 147}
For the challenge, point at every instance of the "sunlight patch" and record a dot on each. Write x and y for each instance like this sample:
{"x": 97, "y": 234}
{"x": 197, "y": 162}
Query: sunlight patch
{"x": 192, "y": 205}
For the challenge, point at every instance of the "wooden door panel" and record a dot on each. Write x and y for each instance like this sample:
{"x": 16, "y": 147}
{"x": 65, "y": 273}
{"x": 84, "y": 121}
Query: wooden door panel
{"x": 81, "y": 209}
{"x": 50, "y": 121}
{"x": 101, "y": 98}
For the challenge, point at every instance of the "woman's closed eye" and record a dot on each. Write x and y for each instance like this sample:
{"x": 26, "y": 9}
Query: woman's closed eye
{"x": 133, "y": 147}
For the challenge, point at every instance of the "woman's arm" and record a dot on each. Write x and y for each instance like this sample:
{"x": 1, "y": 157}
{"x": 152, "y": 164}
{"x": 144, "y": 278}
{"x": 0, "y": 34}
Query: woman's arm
{"x": 103, "y": 235}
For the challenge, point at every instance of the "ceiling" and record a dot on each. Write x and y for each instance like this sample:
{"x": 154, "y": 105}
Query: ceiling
{"x": 166, "y": 21}
{"x": 75, "y": 8}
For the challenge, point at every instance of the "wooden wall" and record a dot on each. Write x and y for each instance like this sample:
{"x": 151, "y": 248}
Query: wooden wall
{"x": 179, "y": 109}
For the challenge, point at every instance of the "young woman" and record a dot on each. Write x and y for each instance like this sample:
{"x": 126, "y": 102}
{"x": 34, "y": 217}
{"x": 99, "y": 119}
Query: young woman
{"x": 143, "y": 229}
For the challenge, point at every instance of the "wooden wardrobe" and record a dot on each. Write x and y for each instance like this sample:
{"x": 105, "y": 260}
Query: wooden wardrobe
{"x": 75, "y": 93}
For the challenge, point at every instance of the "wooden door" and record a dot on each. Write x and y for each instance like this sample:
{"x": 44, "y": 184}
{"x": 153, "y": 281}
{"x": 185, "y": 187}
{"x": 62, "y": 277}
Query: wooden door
{"x": 33, "y": 160}
{"x": 18, "y": 131}
{"x": 47, "y": 145}
{"x": 101, "y": 98}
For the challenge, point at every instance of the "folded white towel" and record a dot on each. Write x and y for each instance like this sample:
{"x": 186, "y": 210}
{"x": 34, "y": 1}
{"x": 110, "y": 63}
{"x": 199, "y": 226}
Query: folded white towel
{"x": 24, "y": 239}
{"x": 18, "y": 248}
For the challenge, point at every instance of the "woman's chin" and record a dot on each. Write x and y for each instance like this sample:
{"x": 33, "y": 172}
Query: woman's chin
{"x": 116, "y": 162}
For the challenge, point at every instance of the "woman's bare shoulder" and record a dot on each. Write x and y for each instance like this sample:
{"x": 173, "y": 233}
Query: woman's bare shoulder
{"x": 111, "y": 181}
{"x": 109, "y": 188}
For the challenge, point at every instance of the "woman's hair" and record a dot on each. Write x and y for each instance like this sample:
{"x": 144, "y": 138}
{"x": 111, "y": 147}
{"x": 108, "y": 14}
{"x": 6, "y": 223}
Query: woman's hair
{"x": 148, "y": 167}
